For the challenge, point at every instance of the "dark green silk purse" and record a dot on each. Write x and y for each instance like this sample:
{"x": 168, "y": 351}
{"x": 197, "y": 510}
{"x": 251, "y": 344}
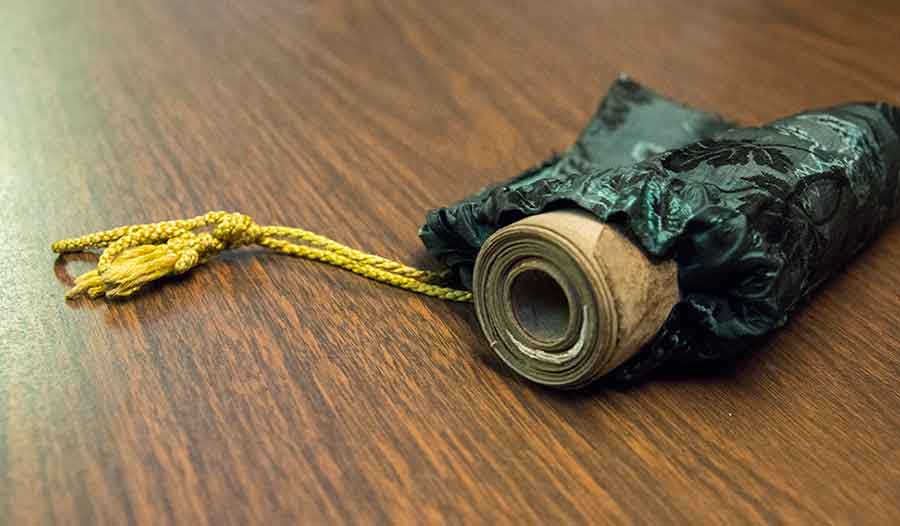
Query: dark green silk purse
{"x": 755, "y": 218}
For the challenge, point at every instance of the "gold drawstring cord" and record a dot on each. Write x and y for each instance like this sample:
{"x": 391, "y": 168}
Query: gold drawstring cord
{"x": 136, "y": 255}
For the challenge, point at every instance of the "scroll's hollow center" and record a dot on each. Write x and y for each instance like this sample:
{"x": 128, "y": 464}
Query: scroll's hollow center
{"x": 540, "y": 305}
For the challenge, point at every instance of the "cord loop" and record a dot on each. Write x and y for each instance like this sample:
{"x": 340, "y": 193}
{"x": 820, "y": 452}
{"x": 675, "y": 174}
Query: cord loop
{"x": 134, "y": 256}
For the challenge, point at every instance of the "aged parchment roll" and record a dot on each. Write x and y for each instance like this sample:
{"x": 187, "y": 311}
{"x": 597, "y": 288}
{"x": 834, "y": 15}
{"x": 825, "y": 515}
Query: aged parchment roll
{"x": 564, "y": 298}
{"x": 756, "y": 218}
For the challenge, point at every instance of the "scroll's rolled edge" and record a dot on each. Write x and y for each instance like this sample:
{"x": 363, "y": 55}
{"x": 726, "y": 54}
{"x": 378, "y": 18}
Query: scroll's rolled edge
{"x": 625, "y": 294}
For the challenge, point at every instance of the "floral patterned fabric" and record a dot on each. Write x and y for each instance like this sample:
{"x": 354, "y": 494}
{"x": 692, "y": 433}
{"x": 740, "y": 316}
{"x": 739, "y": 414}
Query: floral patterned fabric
{"x": 755, "y": 218}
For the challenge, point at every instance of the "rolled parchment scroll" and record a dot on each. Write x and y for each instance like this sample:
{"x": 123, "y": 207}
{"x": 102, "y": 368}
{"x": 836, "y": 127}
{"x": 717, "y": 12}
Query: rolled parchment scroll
{"x": 755, "y": 219}
{"x": 564, "y": 298}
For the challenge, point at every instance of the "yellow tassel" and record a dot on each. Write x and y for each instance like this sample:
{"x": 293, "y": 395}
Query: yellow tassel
{"x": 137, "y": 255}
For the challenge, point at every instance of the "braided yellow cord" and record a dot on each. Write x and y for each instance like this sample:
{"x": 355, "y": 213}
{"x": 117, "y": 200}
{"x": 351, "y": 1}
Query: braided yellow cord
{"x": 136, "y": 255}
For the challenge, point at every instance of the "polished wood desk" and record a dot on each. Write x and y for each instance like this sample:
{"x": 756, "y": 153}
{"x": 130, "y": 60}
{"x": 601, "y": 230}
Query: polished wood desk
{"x": 262, "y": 389}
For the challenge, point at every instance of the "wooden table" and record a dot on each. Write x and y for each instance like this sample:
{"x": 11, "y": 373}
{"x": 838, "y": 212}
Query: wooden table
{"x": 264, "y": 389}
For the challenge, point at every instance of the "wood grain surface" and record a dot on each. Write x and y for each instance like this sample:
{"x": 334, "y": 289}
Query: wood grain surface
{"x": 261, "y": 389}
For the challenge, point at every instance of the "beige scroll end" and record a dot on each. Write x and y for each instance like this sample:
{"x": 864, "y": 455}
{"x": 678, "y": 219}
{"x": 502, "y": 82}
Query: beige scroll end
{"x": 564, "y": 298}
